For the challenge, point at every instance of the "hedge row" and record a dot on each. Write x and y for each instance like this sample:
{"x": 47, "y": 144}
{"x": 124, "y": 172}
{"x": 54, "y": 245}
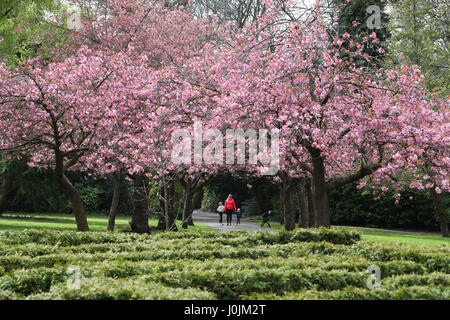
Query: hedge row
{"x": 428, "y": 262}
{"x": 225, "y": 284}
{"x": 121, "y": 289}
{"x": 69, "y": 238}
{"x": 354, "y": 293}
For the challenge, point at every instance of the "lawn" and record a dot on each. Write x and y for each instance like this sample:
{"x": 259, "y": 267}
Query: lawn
{"x": 382, "y": 235}
{"x": 66, "y": 222}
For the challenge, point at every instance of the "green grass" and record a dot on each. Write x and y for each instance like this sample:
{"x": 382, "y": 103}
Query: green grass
{"x": 65, "y": 222}
{"x": 407, "y": 238}
{"x": 385, "y": 235}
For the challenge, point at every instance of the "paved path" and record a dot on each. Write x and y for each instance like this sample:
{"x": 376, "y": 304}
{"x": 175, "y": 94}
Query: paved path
{"x": 212, "y": 220}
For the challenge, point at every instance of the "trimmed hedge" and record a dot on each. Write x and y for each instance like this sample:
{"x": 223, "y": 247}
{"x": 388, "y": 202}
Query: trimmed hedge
{"x": 353, "y": 293}
{"x": 70, "y": 238}
{"x": 121, "y": 289}
{"x": 303, "y": 264}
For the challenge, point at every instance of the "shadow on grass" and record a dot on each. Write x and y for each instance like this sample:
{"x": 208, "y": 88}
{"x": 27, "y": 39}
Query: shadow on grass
{"x": 30, "y": 218}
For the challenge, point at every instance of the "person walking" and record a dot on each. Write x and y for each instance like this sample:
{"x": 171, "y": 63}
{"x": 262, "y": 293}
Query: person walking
{"x": 221, "y": 210}
{"x": 230, "y": 207}
{"x": 265, "y": 218}
{"x": 238, "y": 216}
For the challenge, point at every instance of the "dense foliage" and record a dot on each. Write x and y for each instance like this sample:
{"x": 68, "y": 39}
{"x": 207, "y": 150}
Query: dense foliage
{"x": 420, "y": 33}
{"x": 26, "y": 28}
{"x": 35, "y": 190}
{"x": 359, "y": 19}
{"x": 414, "y": 210}
{"x": 302, "y": 264}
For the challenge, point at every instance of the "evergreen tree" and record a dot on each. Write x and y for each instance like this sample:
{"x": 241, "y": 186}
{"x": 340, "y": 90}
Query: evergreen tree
{"x": 359, "y": 19}
{"x": 420, "y": 32}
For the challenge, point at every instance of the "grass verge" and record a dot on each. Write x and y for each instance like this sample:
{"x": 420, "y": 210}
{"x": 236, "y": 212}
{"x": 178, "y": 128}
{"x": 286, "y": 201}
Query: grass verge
{"x": 382, "y": 235}
{"x": 66, "y": 222}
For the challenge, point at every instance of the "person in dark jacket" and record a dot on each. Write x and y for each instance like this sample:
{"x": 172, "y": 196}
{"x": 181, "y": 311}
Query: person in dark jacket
{"x": 230, "y": 208}
{"x": 265, "y": 218}
{"x": 238, "y": 216}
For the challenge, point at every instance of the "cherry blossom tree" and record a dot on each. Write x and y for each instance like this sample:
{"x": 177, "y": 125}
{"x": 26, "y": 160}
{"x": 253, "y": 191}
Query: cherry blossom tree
{"x": 51, "y": 112}
{"x": 150, "y": 96}
{"x": 339, "y": 122}
{"x": 143, "y": 70}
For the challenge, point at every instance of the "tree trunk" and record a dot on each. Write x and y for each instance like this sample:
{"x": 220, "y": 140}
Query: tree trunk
{"x": 320, "y": 193}
{"x": 440, "y": 212}
{"x": 187, "y": 204}
{"x": 198, "y": 198}
{"x": 6, "y": 189}
{"x": 139, "y": 220}
{"x": 115, "y": 201}
{"x": 72, "y": 193}
{"x": 161, "y": 219}
{"x": 77, "y": 203}
{"x": 172, "y": 226}
{"x": 287, "y": 188}
{"x": 311, "y": 212}
{"x": 289, "y": 216}
{"x": 196, "y": 204}
{"x": 167, "y": 219}
{"x": 303, "y": 217}
{"x": 190, "y": 220}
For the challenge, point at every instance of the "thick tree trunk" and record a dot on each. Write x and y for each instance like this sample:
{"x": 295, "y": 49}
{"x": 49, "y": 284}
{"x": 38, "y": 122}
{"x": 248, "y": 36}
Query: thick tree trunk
{"x": 320, "y": 193}
{"x": 6, "y": 189}
{"x": 303, "y": 217}
{"x": 139, "y": 220}
{"x": 71, "y": 191}
{"x": 196, "y": 204}
{"x": 439, "y": 211}
{"x": 198, "y": 198}
{"x": 289, "y": 216}
{"x": 161, "y": 220}
{"x": 115, "y": 201}
{"x": 77, "y": 203}
{"x": 287, "y": 188}
{"x": 190, "y": 220}
{"x": 171, "y": 206}
{"x": 187, "y": 204}
{"x": 311, "y": 212}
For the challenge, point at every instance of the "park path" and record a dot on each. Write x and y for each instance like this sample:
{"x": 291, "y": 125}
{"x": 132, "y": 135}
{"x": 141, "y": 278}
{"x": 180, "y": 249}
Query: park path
{"x": 211, "y": 219}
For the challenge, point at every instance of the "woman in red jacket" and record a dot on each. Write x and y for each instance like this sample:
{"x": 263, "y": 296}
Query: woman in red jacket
{"x": 230, "y": 207}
